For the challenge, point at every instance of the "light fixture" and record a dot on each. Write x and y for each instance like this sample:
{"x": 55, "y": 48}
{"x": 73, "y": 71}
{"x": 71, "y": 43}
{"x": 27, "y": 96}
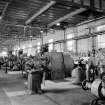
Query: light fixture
{"x": 4, "y": 53}
{"x": 58, "y": 24}
{"x": 41, "y": 31}
{"x": 0, "y": 17}
{"x": 31, "y": 36}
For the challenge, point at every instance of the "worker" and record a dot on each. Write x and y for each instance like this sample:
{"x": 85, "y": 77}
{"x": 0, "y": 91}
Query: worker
{"x": 38, "y": 76}
{"x": 92, "y": 63}
{"x": 35, "y": 74}
{"x": 6, "y": 65}
{"x": 39, "y": 70}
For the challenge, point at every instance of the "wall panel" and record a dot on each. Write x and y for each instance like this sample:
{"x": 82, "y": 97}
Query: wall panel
{"x": 58, "y": 47}
{"x": 84, "y": 45}
{"x": 101, "y": 41}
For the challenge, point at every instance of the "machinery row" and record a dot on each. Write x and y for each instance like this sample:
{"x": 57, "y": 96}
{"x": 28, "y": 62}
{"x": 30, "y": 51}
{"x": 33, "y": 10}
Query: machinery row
{"x": 90, "y": 74}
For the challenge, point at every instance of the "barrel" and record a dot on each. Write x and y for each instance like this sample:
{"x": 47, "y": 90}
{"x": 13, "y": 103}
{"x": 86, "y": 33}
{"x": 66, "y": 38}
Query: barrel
{"x": 95, "y": 87}
{"x": 68, "y": 64}
{"x": 34, "y": 81}
{"x": 76, "y": 75}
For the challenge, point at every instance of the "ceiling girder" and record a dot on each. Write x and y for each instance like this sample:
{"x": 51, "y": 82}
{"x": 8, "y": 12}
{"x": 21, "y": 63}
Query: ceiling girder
{"x": 40, "y": 12}
{"x": 71, "y": 14}
{"x": 6, "y": 0}
{"x": 4, "y": 11}
{"x": 25, "y": 26}
{"x": 90, "y": 4}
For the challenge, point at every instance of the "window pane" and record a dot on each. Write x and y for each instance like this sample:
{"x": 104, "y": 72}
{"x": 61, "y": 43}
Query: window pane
{"x": 70, "y": 45}
{"x": 69, "y": 36}
{"x": 101, "y": 41}
{"x": 50, "y": 41}
{"x": 100, "y": 28}
{"x": 86, "y": 2}
{"x": 50, "y": 47}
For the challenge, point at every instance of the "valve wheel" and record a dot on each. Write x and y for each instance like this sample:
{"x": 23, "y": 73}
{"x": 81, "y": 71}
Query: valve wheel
{"x": 84, "y": 85}
{"x": 103, "y": 76}
{"x": 94, "y": 102}
{"x": 97, "y": 102}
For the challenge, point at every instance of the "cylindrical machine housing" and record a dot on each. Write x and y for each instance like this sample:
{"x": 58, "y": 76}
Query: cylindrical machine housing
{"x": 68, "y": 64}
{"x": 95, "y": 87}
{"x": 60, "y": 64}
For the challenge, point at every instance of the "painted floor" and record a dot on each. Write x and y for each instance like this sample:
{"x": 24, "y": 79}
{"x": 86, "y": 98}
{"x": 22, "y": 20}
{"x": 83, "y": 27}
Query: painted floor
{"x": 13, "y": 91}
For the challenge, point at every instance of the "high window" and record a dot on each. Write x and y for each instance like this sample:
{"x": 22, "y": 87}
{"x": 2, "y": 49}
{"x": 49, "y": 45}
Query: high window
{"x": 50, "y": 45}
{"x": 70, "y": 43}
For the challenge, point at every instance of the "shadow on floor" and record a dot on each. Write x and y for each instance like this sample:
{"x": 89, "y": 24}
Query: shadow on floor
{"x": 57, "y": 81}
{"x": 86, "y": 104}
{"x": 58, "y": 90}
{"x": 52, "y": 100}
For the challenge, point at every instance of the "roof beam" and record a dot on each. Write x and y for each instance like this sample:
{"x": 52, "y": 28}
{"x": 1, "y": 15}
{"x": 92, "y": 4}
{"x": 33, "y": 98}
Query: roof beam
{"x": 7, "y": 0}
{"x": 22, "y": 26}
{"x": 89, "y": 4}
{"x": 4, "y": 11}
{"x": 40, "y": 12}
{"x": 71, "y": 14}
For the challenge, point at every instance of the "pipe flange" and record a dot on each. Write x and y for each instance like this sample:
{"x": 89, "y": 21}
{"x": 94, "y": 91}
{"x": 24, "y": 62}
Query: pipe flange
{"x": 94, "y": 102}
{"x": 100, "y": 92}
{"x": 97, "y": 101}
{"x": 84, "y": 87}
{"x": 102, "y": 76}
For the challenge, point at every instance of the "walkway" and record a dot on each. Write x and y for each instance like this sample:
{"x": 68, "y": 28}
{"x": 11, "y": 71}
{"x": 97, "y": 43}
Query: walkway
{"x": 13, "y": 91}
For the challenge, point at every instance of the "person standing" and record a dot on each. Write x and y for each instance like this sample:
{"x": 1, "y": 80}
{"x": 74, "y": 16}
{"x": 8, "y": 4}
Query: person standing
{"x": 35, "y": 75}
{"x": 92, "y": 62}
{"x": 6, "y": 65}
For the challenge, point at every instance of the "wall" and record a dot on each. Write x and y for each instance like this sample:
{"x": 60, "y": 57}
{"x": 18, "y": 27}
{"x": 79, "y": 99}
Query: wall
{"x": 88, "y": 44}
{"x": 84, "y": 45}
{"x": 56, "y": 35}
{"x": 28, "y": 47}
{"x": 81, "y": 46}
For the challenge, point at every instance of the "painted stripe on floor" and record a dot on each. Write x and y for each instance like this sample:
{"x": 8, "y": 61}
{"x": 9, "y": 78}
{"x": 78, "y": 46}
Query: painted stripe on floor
{"x": 15, "y": 93}
{"x": 53, "y": 85}
{"x": 14, "y": 72}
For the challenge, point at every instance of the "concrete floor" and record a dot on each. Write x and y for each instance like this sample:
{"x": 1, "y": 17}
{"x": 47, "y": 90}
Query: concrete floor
{"x": 13, "y": 91}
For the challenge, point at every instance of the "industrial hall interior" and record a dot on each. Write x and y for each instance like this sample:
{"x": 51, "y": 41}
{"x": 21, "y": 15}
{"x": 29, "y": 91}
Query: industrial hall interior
{"x": 52, "y": 52}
